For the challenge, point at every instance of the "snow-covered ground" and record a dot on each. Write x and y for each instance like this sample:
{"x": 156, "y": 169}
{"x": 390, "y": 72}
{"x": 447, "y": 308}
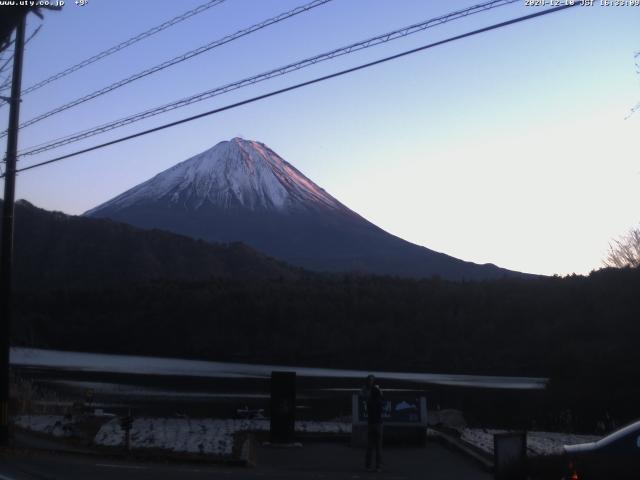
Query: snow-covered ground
{"x": 538, "y": 443}
{"x": 206, "y": 436}
{"x": 184, "y": 435}
{"x": 55, "y": 425}
{"x": 216, "y": 436}
{"x": 129, "y": 364}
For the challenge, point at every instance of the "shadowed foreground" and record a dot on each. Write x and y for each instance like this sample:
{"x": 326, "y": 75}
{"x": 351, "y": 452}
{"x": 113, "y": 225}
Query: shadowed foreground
{"x": 314, "y": 460}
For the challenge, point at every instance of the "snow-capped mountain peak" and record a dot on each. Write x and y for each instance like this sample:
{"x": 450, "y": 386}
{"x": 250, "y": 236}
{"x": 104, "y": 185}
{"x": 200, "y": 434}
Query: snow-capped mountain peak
{"x": 236, "y": 173}
{"x": 241, "y": 190}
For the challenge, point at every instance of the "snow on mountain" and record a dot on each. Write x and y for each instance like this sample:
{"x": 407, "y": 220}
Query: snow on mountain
{"x": 233, "y": 173}
{"x": 241, "y": 190}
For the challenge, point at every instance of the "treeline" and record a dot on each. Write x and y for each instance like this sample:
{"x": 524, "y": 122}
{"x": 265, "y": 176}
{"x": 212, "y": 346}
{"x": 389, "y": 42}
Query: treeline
{"x": 55, "y": 250}
{"x": 582, "y": 332}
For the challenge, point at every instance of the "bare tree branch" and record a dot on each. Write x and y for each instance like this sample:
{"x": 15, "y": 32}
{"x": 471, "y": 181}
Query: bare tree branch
{"x": 625, "y": 251}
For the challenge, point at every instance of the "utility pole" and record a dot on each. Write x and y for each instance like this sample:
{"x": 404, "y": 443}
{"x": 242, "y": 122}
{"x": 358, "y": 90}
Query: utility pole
{"x": 6, "y": 254}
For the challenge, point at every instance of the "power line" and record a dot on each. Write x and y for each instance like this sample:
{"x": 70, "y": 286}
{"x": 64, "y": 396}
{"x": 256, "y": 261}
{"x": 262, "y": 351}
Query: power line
{"x": 300, "y": 85}
{"x": 370, "y": 42}
{"x": 123, "y": 45}
{"x": 26, "y": 42}
{"x": 4, "y": 65}
{"x": 6, "y": 45}
{"x": 3, "y": 82}
{"x": 180, "y": 58}
{"x": 6, "y": 82}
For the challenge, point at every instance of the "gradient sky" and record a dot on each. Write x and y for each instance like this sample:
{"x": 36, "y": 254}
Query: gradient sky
{"x": 510, "y": 147}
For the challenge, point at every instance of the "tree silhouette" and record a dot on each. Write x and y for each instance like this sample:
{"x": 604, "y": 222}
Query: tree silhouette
{"x": 625, "y": 251}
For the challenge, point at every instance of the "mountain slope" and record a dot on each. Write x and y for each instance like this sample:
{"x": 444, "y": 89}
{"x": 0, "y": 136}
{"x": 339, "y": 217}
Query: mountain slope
{"x": 241, "y": 190}
{"x": 54, "y": 250}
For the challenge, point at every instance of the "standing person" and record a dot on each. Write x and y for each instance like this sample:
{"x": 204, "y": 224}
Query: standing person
{"x": 373, "y": 396}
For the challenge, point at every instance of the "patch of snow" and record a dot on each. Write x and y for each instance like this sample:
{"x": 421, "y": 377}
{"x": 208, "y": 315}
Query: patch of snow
{"x": 538, "y": 443}
{"x": 546, "y": 443}
{"x": 55, "y": 425}
{"x": 200, "y": 436}
{"x": 203, "y": 436}
{"x": 323, "y": 427}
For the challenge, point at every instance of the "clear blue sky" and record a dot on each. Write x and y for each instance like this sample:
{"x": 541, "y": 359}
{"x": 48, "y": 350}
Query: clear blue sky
{"x": 510, "y": 147}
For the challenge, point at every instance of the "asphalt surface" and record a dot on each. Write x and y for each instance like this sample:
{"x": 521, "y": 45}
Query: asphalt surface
{"x": 311, "y": 461}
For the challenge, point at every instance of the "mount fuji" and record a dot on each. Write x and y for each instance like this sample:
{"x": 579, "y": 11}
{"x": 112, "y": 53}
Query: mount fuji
{"x": 241, "y": 190}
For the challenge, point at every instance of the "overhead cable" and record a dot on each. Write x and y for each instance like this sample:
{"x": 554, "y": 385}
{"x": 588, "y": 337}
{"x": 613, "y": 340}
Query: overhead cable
{"x": 370, "y": 42}
{"x": 180, "y": 58}
{"x": 300, "y": 85}
{"x": 123, "y": 45}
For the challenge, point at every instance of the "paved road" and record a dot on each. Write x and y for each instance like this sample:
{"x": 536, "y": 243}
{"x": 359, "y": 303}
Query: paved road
{"x": 313, "y": 461}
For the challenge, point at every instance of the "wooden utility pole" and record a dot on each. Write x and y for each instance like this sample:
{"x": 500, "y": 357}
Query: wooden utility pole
{"x": 6, "y": 254}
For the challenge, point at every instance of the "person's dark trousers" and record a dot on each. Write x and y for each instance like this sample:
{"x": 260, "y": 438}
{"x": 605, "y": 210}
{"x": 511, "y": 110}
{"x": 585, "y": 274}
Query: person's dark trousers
{"x": 374, "y": 441}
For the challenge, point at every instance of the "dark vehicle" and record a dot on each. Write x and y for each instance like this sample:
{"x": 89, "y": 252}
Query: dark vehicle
{"x": 616, "y": 456}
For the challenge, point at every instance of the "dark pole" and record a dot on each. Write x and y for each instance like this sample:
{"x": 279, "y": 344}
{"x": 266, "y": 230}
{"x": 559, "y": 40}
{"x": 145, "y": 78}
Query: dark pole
{"x": 6, "y": 255}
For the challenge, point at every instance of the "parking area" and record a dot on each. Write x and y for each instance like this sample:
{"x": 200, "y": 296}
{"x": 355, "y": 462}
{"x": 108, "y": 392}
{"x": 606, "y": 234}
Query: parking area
{"x": 315, "y": 460}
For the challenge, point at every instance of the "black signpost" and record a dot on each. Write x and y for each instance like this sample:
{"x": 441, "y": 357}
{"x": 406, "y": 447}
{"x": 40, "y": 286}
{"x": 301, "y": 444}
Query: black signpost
{"x": 510, "y": 455}
{"x": 283, "y": 406}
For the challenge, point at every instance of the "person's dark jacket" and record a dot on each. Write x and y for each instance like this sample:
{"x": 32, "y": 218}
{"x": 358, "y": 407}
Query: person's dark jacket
{"x": 374, "y": 405}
